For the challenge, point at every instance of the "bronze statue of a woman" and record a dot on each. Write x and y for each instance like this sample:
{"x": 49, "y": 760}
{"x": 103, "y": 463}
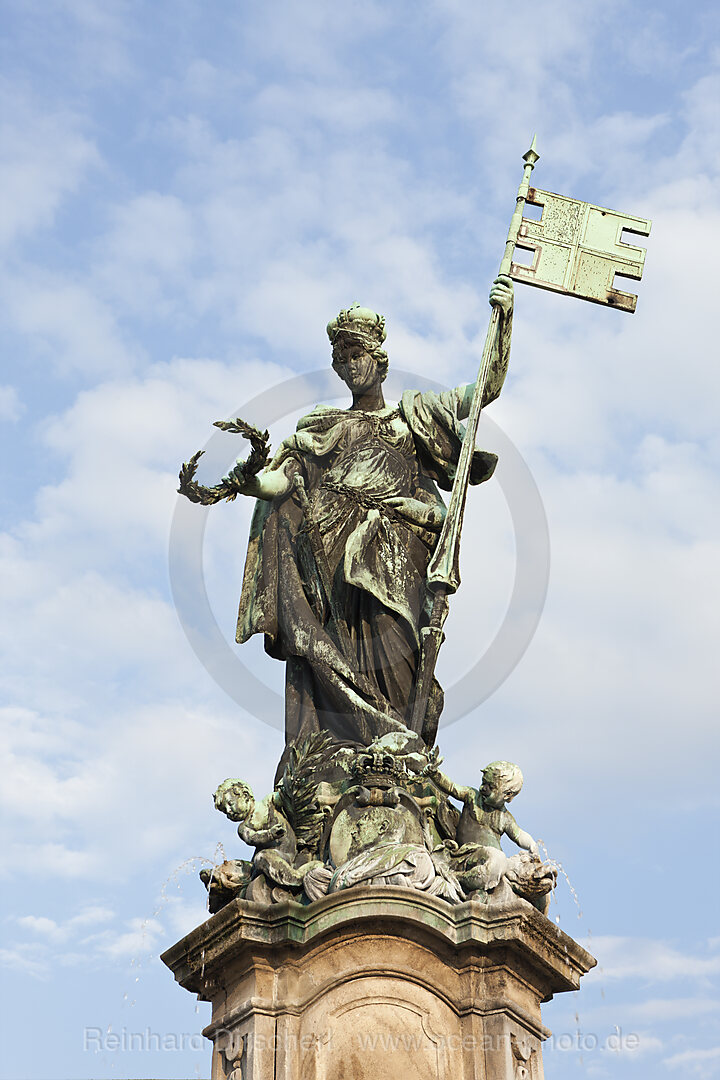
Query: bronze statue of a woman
{"x": 348, "y": 514}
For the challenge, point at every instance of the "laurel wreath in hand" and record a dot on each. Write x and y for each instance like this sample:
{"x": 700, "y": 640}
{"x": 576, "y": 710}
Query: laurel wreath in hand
{"x": 233, "y": 484}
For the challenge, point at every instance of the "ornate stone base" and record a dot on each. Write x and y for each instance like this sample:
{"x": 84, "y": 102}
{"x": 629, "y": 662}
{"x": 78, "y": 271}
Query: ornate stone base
{"x": 377, "y": 984}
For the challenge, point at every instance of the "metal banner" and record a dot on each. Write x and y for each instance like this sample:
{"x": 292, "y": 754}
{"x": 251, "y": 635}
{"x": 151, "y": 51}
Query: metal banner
{"x": 578, "y": 249}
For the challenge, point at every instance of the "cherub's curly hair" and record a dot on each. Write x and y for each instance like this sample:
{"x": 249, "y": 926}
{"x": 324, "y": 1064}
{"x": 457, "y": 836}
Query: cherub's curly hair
{"x": 224, "y": 789}
{"x": 506, "y": 772}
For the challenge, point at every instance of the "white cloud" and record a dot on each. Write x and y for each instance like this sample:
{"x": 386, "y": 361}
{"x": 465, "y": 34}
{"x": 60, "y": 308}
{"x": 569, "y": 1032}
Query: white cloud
{"x": 39, "y": 924}
{"x": 615, "y": 418}
{"x": 44, "y": 158}
{"x": 81, "y": 792}
{"x": 71, "y": 572}
{"x": 111, "y": 671}
{"x": 94, "y": 41}
{"x": 702, "y": 111}
{"x": 147, "y": 254}
{"x": 137, "y": 940}
{"x": 68, "y": 943}
{"x": 10, "y": 405}
{"x": 646, "y": 1044}
{"x": 350, "y": 109}
{"x": 316, "y": 43}
{"x": 499, "y": 71}
{"x": 704, "y": 1063}
{"x": 68, "y": 324}
{"x": 91, "y": 916}
{"x": 672, "y": 1009}
{"x": 649, "y": 959}
{"x": 46, "y": 858}
{"x": 183, "y": 917}
{"x": 22, "y": 960}
{"x": 55, "y": 932}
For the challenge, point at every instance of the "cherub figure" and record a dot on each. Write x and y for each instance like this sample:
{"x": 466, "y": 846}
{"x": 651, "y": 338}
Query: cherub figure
{"x": 263, "y": 826}
{"x": 480, "y": 861}
{"x": 259, "y": 824}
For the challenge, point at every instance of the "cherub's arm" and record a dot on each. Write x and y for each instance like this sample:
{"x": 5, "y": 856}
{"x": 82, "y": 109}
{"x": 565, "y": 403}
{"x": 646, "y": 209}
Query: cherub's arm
{"x": 458, "y": 791}
{"x": 260, "y": 837}
{"x": 257, "y": 830}
{"x": 519, "y": 836}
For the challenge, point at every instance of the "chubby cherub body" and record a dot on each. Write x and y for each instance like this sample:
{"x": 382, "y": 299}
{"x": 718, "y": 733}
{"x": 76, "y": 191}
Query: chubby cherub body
{"x": 484, "y": 821}
{"x": 263, "y": 826}
{"x": 260, "y": 824}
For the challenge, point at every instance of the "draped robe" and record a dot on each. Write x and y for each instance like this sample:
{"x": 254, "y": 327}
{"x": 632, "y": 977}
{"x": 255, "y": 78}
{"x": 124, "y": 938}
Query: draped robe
{"x": 351, "y": 463}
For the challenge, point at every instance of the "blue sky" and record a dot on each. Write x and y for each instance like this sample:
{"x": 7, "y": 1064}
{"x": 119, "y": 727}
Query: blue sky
{"x": 190, "y": 192}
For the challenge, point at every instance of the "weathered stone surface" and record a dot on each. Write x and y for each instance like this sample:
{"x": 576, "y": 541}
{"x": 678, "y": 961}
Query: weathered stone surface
{"x": 377, "y": 983}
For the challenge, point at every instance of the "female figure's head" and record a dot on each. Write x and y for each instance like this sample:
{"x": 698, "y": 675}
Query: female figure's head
{"x": 356, "y": 335}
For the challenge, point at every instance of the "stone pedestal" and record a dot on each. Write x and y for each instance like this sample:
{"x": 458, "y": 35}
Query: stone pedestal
{"x": 377, "y": 984}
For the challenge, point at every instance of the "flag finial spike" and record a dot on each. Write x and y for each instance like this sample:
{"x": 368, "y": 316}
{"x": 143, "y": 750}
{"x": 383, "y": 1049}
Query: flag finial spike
{"x": 532, "y": 155}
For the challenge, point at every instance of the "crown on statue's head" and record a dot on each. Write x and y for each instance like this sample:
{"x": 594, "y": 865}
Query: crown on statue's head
{"x": 359, "y": 324}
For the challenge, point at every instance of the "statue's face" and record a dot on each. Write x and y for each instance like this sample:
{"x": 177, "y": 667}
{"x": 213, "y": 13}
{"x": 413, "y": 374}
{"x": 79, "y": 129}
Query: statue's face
{"x": 237, "y": 804}
{"x": 356, "y": 367}
{"x": 495, "y": 794}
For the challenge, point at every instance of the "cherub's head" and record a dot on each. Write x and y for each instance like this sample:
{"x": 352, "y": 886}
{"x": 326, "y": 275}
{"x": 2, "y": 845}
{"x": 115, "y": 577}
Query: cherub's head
{"x": 501, "y": 782}
{"x": 356, "y": 335}
{"x": 235, "y": 799}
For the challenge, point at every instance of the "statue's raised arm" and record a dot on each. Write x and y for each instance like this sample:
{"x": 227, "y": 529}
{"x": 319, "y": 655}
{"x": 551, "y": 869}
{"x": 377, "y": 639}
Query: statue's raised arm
{"x": 502, "y": 297}
{"x": 348, "y": 516}
{"x": 335, "y": 577}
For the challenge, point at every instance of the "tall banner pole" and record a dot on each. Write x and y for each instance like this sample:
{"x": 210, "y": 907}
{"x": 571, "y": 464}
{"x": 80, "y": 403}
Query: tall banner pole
{"x": 443, "y": 574}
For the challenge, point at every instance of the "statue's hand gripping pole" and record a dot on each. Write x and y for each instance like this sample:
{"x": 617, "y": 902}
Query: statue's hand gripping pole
{"x": 443, "y": 575}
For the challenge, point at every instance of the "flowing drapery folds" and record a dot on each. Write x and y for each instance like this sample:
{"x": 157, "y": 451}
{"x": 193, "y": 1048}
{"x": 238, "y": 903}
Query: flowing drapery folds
{"x": 372, "y": 480}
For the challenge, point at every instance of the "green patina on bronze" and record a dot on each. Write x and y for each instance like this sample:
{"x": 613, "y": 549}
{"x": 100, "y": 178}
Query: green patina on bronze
{"x": 376, "y": 816}
{"x": 352, "y": 558}
{"x": 348, "y": 516}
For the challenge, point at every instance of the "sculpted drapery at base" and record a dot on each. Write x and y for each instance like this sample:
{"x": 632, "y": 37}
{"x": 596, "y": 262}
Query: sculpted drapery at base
{"x": 348, "y": 514}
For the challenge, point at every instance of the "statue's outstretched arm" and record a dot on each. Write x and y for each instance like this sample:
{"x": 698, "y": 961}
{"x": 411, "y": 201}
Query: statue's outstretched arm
{"x": 502, "y": 296}
{"x": 260, "y": 837}
{"x": 458, "y": 791}
{"x": 268, "y": 485}
{"x": 244, "y": 478}
{"x": 519, "y": 836}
